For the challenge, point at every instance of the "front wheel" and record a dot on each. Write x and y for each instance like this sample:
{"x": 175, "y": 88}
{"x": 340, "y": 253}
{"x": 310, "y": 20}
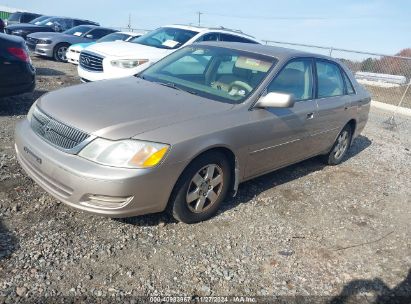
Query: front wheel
{"x": 340, "y": 147}
{"x": 201, "y": 189}
{"x": 60, "y": 51}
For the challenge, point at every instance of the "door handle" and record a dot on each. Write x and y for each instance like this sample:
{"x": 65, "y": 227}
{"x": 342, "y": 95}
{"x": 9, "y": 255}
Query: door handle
{"x": 310, "y": 115}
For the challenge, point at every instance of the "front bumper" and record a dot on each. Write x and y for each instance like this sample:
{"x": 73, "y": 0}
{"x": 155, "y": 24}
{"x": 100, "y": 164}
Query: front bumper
{"x": 41, "y": 49}
{"x": 82, "y": 184}
{"x": 73, "y": 56}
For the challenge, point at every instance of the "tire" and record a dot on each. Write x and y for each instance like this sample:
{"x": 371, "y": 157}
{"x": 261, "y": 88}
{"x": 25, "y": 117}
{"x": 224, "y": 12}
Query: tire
{"x": 340, "y": 147}
{"x": 59, "y": 53}
{"x": 192, "y": 200}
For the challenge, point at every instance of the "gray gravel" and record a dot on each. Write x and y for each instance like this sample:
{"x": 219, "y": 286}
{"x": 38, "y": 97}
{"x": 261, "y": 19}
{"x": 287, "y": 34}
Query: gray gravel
{"x": 306, "y": 230}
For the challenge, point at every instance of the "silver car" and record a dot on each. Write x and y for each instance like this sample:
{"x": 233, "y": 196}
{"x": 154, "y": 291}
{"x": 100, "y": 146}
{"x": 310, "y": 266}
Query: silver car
{"x": 183, "y": 134}
{"x": 55, "y": 45}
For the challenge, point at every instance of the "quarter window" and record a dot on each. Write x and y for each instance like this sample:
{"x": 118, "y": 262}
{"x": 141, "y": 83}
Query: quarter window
{"x": 209, "y": 37}
{"x": 295, "y": 78}
{"x": 330, "y": 80}
{"x": 348, "y": 84}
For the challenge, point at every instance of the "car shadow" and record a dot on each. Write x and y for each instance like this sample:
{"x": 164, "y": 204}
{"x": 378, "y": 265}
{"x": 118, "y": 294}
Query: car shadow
{"x": 48, "y": 72}
{"x": 19, "y": 104}
{"x": 358, "y": 291}
{"x": 8, "y": 242}
{"x": 254, "y": 187}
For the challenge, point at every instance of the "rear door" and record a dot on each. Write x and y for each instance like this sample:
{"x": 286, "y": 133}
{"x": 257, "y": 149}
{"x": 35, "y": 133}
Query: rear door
{"x": 280, "y": 136}
{"x": 334, "y": 104}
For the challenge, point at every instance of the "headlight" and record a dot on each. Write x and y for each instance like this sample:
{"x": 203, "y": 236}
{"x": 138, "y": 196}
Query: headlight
{"x": 30, "y": 113}
{"x": 128, "y": 63}
{"x": 125, "y": 153}
{"x": 43, "y": 41}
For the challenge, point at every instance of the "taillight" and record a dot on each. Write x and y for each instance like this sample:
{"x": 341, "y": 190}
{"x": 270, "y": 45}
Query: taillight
{"x": 19, "y": 53}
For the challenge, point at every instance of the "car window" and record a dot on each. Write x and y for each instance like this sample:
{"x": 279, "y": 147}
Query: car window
{"x": 25, "y": 18}
{"x": 295, "y": 78}
{"x": 166, "y": 38}
{"x": 330, "y": 80}
{"x": 348, "y": 84}
{"x": 114, "y": 37}
{"x": 195, "y": 69}
{"x": 78, "y": 30}
{"x": 15, "y": 17}
{"x": 234, "y": 38}
{"x": 99, "y": 33}
{"x": 209, "y": 37}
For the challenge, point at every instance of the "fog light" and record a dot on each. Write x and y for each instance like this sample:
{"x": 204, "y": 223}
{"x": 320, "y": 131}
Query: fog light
{"x": 105, "y": 202}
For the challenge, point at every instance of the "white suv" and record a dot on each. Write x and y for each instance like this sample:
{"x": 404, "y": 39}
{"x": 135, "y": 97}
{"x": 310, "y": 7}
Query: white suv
{"x": 109, "y": 60}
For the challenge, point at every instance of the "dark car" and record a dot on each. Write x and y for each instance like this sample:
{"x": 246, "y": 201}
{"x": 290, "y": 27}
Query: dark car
{"x": 22, "y": 29}
{"x": 21, "y": 17}
{"x": 17, "y": 74}
{"x": 2, "y": 26}
{"x": 52, "y": 24}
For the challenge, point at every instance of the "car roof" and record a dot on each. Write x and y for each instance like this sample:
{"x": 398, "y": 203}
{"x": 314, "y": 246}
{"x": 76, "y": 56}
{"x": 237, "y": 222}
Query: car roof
{"x": 130, "y": 33}
{"x": 267, "y": 50}
{"x": 11, "y": 39}
{"x": 204, "y": 29}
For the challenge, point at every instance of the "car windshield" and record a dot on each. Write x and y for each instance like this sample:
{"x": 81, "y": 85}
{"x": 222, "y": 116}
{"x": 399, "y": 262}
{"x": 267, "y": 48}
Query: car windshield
{"x": 166, "y": 38}
{"x": 220, "y": 74}
{"x": 78, "y": 30}
{"x": 49, "y": 21}
{"x": 39, "y": 20}
{"x": 114, "y": 37}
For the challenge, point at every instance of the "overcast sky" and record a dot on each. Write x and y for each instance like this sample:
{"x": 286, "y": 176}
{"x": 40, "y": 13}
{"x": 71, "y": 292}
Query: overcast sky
{"x": 375, "y": 25}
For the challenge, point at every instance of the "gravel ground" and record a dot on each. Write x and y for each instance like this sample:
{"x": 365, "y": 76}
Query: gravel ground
{"x": 338, "y": 233}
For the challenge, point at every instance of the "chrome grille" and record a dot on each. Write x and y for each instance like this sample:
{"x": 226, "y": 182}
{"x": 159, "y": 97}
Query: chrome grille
{"x": 55, "y": 132}
{"x": 91, "y": 62}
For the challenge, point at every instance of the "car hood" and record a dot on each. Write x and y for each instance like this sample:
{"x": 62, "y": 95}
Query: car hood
{"x": 126, "y": 107}
{"x": 50, "y": 35}
{"x": 28, "y": 27}
{"x": 128, "y": 50}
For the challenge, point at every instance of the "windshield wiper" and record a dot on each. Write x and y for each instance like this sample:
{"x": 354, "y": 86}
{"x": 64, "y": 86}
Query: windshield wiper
{"x": 173, "y": 86}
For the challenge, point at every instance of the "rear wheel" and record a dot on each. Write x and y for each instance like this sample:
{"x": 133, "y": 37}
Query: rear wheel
{"x": 60, "y": 51}
{"x": 201, "y": 188}
{"x": 340, "y": 147}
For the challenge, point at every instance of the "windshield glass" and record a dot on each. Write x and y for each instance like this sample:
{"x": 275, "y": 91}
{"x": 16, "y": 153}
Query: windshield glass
{"x": 38, "y": 20}
{"x": 114, "y": 37}
{"x": 78, "y": 30}
{"x": 166, "y": 38}
{"x": 217, "y": 73}
{"x": 14, "y": 17}
{"x": 49, "y": 21}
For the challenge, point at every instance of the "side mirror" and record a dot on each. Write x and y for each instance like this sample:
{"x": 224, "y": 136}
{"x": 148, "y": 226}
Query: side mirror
{"x": 89, "y": 36}
{"x": 276, "y": 100}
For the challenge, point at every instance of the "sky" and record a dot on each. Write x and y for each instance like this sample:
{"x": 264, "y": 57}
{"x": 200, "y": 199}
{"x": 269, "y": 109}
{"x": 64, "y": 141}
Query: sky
{"x": 380, "y": 26}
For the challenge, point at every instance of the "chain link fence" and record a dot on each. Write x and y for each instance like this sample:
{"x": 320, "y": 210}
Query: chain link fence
{"x": 386, "y": 77}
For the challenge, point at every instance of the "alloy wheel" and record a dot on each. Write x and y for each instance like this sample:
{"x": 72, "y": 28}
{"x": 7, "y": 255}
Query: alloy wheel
{"x": 342, "y": 144}
{"x": 205, "y": 188}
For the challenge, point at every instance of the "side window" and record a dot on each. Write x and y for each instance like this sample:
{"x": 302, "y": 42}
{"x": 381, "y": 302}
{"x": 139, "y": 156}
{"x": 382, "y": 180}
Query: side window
{"x": 295, "y": 78}
{"x": 209, "y": 37}
{"x": 330, "y": 80}
{"x": 26, "y": 18}
{"x": 348, "y": 84}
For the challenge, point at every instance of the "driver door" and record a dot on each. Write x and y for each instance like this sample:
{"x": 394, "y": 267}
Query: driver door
{"x": 280, "y": 136}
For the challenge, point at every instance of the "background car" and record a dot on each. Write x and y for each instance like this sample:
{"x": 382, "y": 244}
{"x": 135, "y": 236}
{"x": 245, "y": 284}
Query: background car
{"x": 51, "y": 24}
{"x": 73, "y": 52}
{"x": 115, "y": 60}
{"x": 2, "y": 26}
{"x": 23, "y": 29}
{"x": 17, "y": 75}
{"x": 55, "y": 45}
{"x": 21, "y": 17}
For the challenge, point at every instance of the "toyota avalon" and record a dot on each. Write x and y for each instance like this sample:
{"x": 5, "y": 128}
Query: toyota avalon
{"x": 184, "y": 133}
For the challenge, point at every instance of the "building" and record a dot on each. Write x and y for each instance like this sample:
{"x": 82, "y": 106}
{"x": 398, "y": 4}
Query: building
{"x": 6, "y": 11}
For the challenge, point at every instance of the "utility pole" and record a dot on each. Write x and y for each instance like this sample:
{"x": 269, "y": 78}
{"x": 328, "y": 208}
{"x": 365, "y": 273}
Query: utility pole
{"x": 129, "y": 21}
{"x": 199, "y": 18}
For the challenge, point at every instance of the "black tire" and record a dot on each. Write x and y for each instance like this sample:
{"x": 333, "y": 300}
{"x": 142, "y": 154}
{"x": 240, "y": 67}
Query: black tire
{"x": 340, "y": 147}
{"x": 58, "y": 50}
{"x": 182, "y": 210}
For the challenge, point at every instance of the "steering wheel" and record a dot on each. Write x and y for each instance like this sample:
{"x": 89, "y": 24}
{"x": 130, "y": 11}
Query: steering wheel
{"x": 240, "y": 85}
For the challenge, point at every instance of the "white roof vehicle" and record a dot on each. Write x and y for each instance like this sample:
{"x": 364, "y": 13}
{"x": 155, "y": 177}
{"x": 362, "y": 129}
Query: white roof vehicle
{"x": 118, "y": 59}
